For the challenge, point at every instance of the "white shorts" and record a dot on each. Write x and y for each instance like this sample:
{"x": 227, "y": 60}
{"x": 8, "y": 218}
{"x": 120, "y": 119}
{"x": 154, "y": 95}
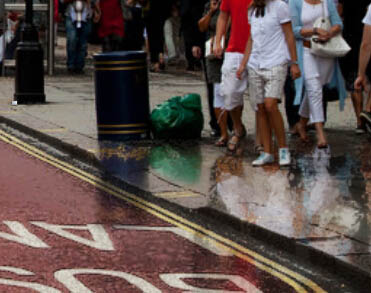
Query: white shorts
{"x": 266, "y": 83}
{"x": 218, "y": 98}
{"x": 231, "y": 88}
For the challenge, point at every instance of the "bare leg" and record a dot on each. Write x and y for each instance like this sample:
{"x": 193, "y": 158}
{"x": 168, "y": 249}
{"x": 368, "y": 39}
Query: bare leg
{"x": 236, "y": 115}
{"x": 222, "y": 116}
{"x": 275, "y": 120}
{"x": 264, "y": 129}
{"x": 258, "y": 140}
{"x": 321, "y": 137}
{"x": 300, "y": 126}
{"x": 357, "y": 100}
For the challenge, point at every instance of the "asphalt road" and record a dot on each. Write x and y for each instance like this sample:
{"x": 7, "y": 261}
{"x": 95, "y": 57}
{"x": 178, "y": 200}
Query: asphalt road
{"x": 65, "y": 229}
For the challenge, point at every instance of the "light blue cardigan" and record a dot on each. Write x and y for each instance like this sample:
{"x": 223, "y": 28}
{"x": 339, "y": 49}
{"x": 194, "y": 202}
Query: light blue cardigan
{"x": 337, "y": 79}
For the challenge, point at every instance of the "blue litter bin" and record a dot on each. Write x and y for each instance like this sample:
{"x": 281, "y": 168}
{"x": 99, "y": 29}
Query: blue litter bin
{"x": 122, "y": 95}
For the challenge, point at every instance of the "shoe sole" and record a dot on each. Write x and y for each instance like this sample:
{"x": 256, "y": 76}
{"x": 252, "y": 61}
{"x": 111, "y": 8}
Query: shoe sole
{"x": 270, "y": 163}
{"x": 285, "y": 165}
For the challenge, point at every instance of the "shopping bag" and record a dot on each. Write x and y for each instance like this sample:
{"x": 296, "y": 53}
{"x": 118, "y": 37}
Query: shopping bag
{"x": 178, "y": 118}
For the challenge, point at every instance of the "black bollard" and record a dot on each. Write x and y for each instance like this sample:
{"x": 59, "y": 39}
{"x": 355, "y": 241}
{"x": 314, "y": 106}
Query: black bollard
{"x": 29, "y": 56}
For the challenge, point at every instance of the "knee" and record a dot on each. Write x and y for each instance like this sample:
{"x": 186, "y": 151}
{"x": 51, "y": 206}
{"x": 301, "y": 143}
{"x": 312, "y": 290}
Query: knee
{"x": 270, "y": 106}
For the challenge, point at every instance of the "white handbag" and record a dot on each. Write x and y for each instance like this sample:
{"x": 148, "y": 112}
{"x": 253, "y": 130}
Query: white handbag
{"x": 335, "y": 47}
{"x": 210, "y": 45}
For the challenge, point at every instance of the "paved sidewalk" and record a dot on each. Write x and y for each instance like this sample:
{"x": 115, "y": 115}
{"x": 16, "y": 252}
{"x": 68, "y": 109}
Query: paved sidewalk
{"x": 323, "y": 201}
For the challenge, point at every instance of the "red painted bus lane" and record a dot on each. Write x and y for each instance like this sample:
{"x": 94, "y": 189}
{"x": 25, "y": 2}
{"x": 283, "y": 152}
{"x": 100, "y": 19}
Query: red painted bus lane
{"x": 59, "y": 233}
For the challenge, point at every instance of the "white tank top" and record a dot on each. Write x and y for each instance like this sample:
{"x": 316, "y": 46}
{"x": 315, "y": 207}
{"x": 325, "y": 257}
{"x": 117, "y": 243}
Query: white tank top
{"x": 310, "y": 13}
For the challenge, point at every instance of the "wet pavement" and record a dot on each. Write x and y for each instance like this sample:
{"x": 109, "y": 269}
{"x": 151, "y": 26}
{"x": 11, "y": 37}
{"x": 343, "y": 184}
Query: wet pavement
{"x": 322, "y": 201}
{"x": 63, "y": 230}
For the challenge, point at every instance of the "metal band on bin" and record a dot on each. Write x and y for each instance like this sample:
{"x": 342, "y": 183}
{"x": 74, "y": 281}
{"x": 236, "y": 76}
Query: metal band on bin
{"x": 115, "y": 129}
{"x": 115, "y": 65}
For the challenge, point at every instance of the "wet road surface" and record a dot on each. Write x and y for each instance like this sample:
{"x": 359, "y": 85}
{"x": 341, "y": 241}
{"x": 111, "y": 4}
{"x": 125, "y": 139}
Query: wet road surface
{"x": 63, "y": 231}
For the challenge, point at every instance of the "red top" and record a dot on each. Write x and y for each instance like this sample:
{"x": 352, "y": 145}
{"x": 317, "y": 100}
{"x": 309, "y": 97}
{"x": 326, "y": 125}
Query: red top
{"x": 240, "y": 28}
{"x": 56, "y": 9}
{"x": 112, "y": 21}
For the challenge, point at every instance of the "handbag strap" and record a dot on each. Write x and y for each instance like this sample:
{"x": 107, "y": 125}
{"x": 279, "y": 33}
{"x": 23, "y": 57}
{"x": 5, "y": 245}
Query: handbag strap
{"x": 323, "y": 8}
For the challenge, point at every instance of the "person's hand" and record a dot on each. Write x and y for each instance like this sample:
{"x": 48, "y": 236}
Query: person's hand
{"x": 240, "y": 71}
{"x": 196, "y": 52}
{"x": 130, "y": 3}
{"x": 218, "y": 51}
{"x": 323, "y": 35}
{"x": 214, "y": 6}
{"x": 295, "y": 71}
{"x": 361, "y": 83}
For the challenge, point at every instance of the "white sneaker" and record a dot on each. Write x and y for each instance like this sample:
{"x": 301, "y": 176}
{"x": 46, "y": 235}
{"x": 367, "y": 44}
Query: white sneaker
{"x": 284, "y": 157}
{"x": 263, "y": 159}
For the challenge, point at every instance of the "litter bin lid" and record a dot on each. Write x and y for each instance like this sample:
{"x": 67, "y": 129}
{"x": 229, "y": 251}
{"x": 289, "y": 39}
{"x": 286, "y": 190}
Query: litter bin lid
{"x": 120, "y": 56}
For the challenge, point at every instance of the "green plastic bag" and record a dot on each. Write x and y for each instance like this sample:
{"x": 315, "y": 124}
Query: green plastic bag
{"x": 178, "y": 118}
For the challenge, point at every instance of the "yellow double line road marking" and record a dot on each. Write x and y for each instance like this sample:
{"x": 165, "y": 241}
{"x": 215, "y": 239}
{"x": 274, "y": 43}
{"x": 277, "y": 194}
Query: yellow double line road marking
{"x": 286, "y": 275}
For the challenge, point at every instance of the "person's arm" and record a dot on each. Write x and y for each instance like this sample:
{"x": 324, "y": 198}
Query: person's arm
{"x": 297, "y": 27}
{"x": 221, "y": 29}
{"x": 246, "y": 58}
{"x": 340, "y": 9}
{"x": 97, "y": 12}
{"x": 323, "y": 35}
{"x": 336, "y": 22}
{"x": 364, "y": 58}
{"x": 204, "y": 22}
{"x": 291, "y": 44}
{"x": 197, "y": 52}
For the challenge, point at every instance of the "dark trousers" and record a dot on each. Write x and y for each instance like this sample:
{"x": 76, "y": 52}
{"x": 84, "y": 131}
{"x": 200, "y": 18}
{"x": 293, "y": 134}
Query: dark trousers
{"x": 210, "y": 99}
{"x": 77, "y": 43}
{"x": 292, "y": 111}
{"x": 156, "y": 39}
{"x": 191, "y": 61}
{"x": 112, "y": 43}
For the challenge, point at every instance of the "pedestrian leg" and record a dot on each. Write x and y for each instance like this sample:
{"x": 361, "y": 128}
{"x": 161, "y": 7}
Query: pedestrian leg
{"x": 357, "y": 99}
{"x": 71, "y": 44}
{"x": 275, "y": 120}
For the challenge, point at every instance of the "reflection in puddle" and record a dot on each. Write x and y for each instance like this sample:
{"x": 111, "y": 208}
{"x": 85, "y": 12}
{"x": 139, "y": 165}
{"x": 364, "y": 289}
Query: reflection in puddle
{"x": 127, "y": 162}
{"x": 320, "y": 191}
{"x": 176, "y": 163}
{"x": 132, "y": 162}
{"x": 323, "y": 194}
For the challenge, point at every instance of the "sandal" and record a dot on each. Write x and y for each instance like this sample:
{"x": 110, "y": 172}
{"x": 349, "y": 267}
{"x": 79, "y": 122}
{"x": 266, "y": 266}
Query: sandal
{"x": 222, "y": 142}
{"x": 234, "y": 143}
